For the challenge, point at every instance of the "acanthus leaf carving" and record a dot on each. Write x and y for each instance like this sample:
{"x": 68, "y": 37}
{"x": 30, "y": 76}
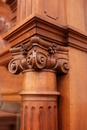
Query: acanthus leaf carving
{"x": 38, "y": 57}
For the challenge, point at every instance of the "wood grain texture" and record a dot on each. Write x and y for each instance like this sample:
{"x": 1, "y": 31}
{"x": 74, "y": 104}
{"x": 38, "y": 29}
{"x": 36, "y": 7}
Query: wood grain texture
{"x": 60, "y": 23}
{"x": 10, "y": 85}
{"x": 64, "y": 102}
{"x": 39, "y": 101}
{"x": 78, "y": 89}
{"x": 75, "y": 14}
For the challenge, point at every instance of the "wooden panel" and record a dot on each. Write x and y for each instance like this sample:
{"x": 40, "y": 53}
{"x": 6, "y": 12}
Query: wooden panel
{"x": 64, "y": 102}
{"x": 45, "y": 8}
{"x": 75, "y": 14}
{"x": 27, "y": 7}
{"x": 24, "y": 9}
{"x": 51, "y": 9}
{"x": 62, "y": 12}
{"x": 78, "y": 89}
{"x": 10, "y": 85}
{"x": 73, "y": 90}
{"x": 13, "y": 6}
{"x": 85, "y": 13}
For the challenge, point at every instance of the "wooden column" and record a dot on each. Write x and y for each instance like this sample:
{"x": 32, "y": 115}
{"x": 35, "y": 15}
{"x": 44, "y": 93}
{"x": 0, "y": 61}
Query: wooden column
{"x": 39, "y": 101}
{"x": 39, "y": 61}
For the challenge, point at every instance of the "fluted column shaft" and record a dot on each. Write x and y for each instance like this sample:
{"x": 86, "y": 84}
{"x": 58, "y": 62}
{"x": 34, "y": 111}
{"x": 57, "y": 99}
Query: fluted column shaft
{"x": 39, "y": 101}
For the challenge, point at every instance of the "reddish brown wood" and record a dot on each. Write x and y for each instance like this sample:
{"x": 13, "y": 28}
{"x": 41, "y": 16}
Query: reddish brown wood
{"x": 28, "y": 7}
{"x": 39, "y": 61}
{"x": 39, "y": 101}
{"x": 52, "y": 25}
{"x": 7, "y": 121}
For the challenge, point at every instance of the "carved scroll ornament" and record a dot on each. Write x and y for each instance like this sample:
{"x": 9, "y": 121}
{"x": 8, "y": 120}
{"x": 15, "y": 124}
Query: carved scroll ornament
{"x": 4, "y": 25}
{"x": 40, "y": 55}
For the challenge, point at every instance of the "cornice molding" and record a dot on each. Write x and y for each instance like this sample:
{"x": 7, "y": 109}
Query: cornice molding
{"x": 37, "y": 55}
{"x": 48, "y": 30}
{"x": 36, "y": 25}
{"x": 76, "y": 38}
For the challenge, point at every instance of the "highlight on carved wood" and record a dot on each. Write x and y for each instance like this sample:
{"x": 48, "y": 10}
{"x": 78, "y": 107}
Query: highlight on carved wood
{"x": 4, "y": 25}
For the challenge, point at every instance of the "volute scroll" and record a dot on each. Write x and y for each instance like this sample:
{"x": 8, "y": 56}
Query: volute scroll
{"x": 37, "y": 55}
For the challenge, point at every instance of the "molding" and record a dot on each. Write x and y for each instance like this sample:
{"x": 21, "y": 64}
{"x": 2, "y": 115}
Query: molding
{"x": 35, "y": 25}
{"x": 48, "y": 30}
{"x": 13, "y": 97}
{"x": 75, "y": 38}
{"x": 39, "y": 55}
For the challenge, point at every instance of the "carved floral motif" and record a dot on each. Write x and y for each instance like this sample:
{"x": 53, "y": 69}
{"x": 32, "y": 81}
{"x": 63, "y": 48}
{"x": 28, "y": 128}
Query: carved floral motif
{"x": 34, "y": 56}
{"x": 53, "y": 49}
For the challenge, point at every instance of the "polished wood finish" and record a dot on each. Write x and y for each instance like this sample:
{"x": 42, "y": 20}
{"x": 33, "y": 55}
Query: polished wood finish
{"x": 13, "y": 36}
{"x": 39, "y": 59}
{"x": 9, "y": 92}
{"x": 39, "y": 99}
{"x": 47, "y": 35}
{"x": 26, "y": 8}
{"x": 11, "y": 86}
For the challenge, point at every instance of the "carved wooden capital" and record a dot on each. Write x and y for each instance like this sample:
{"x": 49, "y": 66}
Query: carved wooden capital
{"x": 38, "y": 54}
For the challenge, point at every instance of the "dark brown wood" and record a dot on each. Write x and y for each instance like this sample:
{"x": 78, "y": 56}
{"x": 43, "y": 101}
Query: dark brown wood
{"x": 7, "y": 121}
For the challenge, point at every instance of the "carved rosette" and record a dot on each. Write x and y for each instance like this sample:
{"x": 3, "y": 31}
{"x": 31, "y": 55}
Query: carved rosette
{"x": 39, "y": 55}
